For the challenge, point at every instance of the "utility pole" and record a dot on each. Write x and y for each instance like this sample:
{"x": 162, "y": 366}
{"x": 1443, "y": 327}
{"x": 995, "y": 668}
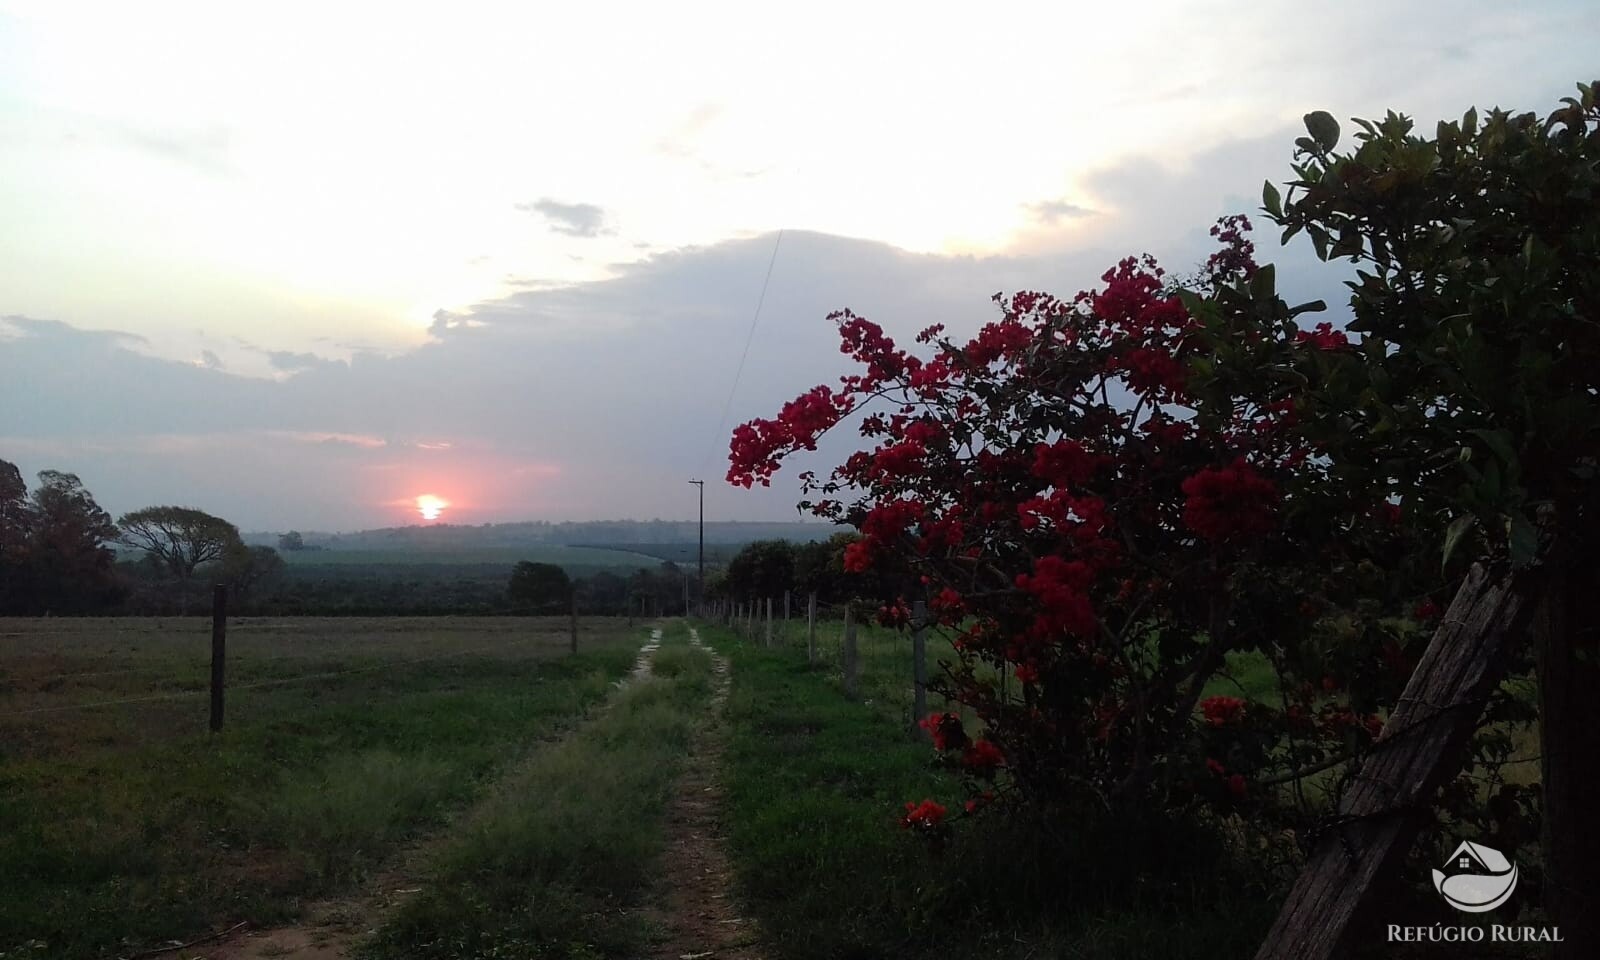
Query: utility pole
{"x": 700, "y": 583}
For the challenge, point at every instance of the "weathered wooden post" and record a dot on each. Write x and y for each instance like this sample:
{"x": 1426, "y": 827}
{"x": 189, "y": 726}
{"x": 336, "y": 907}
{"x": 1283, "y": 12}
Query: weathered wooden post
{"x": 788, "y": 597}
{"x": 769, "y": 621}
{"x": 919, "y": 664}
{"x": 849, "y": 653}
{"x": 1419, "y": 749}
{"x": 572, "y": 599}
{"x": 219, "y": 650}
{"x": 811, "y": 629}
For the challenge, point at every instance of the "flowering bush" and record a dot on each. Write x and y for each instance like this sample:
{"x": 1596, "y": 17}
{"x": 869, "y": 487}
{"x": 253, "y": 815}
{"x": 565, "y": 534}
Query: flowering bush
{"x": 1104, "y": 497}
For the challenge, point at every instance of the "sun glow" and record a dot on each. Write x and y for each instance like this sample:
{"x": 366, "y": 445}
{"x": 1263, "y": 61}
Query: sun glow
{"x": 431, "y": 506}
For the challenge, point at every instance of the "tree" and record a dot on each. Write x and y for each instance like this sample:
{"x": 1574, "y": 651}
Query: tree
{"x": 244, "y": 568}
{"x": 182, "y": 538}
{"x": 1097, "y": 514}
{"x": 762, "y": 569}
{"x": 1476, "y": 389}
{"x": 291, "y": 541}
{"x": 543, "y": 587}
{"x": 68, "y": 565}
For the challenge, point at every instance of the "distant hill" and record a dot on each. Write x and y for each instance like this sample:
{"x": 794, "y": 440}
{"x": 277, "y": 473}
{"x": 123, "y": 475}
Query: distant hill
{"x": 653, "y": 537}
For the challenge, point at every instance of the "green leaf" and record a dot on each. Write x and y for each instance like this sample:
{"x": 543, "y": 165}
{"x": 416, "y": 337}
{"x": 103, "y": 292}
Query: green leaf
{"x": 1524, "y": 537}
{"x": 1323, "y": 129}
{"x": 1452, "y": 536}
{"x": 1498, "y": 441}
{"x": 1271, "y": 199}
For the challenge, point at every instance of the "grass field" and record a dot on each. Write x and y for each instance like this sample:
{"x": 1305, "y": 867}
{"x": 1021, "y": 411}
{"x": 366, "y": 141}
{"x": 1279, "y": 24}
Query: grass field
{"x": 815, "y": 784}
{"x": 559, "y": 860}
{"x": 132, "y": 825}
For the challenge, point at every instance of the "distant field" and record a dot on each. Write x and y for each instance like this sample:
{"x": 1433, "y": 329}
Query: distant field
{"x": 128, "y": 824}
{"x": 587, "y": 557}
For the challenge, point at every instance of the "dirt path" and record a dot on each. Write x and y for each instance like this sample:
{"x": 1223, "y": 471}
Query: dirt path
{"x": 694, "y": 903}
{"x": 329, "y": 929}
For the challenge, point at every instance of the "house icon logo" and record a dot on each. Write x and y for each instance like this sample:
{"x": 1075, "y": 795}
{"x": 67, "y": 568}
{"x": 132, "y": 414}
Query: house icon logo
{"x": 1476, "y": 878}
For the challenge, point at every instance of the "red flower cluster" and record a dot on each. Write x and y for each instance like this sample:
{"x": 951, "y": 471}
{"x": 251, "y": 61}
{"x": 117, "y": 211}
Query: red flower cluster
{"x": 888, "y": 521}
{"x": 858, "y": 556}
{"x": 1237, "y": 256}
{"x": 1151, "y": 371}
{"x": 1425, "y": 611}
{"x": 983, "y": 757}
{"x": 1001, "y": 340}
{"x": 1061, "y": 587}
{"x": 945, "y": 729}
{"x": 1324, "y": 337}
{"x": 1221, "y": 711}
{"x": 757, "y": 446}
{"x": 1065, "y": 462}
{"x": 925, "y": 815}
{"x": 1234, "y": 501}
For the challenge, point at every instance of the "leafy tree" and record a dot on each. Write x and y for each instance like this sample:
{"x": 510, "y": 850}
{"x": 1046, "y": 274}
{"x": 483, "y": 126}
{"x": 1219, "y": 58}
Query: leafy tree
{"x": 764, "y": 568}
{"x": 67, "y": 565}
{"x": 602, "y": 592}
{"x": 540, "y": 586}
{"x": 16, "y": 520}
{"x": 245, "y": 568}
{"x": 182, "y": 538}
{"x": 291, "y": 541}
{"x": 1475, "y": 390}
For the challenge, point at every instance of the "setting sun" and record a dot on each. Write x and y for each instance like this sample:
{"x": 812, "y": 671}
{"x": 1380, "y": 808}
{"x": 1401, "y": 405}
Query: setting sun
{"x": 431, "y": 506}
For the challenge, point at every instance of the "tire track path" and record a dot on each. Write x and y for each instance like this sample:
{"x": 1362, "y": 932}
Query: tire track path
{"x": 694, "y": 901}
{"x": 330, "y": 929}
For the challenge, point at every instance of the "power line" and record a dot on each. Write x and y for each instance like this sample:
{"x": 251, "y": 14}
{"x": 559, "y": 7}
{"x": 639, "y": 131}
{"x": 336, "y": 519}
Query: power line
{"x": 728, "y": 405}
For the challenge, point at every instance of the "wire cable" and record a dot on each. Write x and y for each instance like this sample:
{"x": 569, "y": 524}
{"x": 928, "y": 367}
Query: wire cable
{"x": 750, "y": 336}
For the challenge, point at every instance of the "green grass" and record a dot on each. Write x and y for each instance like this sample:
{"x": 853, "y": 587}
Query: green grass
{"x": 128, "y": 826}
{"x": 554, "y": 865}
{"x": 815, "y": 786}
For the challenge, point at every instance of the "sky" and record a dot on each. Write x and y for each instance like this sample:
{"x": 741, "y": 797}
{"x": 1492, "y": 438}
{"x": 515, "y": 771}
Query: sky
{"x": 299, "y": 264}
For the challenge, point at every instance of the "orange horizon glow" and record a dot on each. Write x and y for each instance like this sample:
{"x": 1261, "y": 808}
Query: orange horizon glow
{"x": 431, "y": 506}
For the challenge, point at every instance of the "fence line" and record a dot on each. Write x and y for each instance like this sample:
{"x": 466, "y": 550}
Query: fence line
{"x": 180, "y": 694}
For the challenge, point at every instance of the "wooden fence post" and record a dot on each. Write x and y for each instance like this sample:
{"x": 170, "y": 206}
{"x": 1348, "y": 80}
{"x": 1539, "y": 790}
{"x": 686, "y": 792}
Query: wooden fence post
{"x": 1419, "y": 748}
{"x": 811, "y": 629}
{"x": 219, "y": 650}
{"x": 919, "y": 664}
{"x": 573, "y": 622}
{"x": 769, "y": 621}
{"x": 849, "y": 653}
{"x": 788, "y": 599}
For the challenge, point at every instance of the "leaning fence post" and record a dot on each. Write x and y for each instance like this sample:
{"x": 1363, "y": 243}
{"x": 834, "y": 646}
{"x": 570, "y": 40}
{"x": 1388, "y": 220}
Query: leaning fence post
{"x": 919, "y": 662}
{"x": 219, "y": 649}
{"x": 849, "y": 653}
{"x": 811, "y": 629}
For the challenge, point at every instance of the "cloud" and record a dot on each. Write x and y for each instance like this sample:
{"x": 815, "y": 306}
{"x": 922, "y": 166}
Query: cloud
{"x": 209, "y": 360}
{"x": 1051, "y": 211}
{"x": 582, "y": 400}
{"x": 570, "y": 219}
{"x": 290, "y": 361}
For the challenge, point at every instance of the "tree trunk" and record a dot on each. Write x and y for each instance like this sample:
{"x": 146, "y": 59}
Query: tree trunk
{"x": 1569, "y": 725}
